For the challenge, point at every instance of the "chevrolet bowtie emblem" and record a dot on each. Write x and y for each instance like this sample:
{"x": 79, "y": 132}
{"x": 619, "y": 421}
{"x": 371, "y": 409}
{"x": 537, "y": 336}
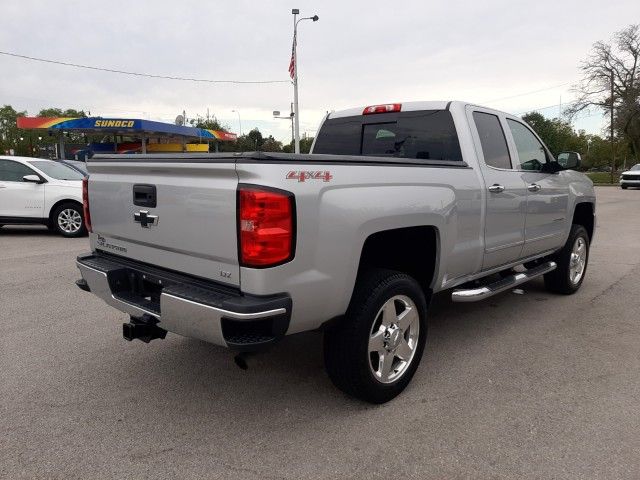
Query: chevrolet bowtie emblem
{"x": 144, "y": 219}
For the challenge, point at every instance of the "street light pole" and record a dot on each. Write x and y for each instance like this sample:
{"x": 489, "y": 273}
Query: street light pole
{"x": 239, "y": 121}
{"x": 296, "y": 110}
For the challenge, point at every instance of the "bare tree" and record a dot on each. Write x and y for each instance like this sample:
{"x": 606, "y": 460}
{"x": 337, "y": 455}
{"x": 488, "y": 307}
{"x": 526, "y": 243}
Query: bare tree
{"x": 611, "y": 78}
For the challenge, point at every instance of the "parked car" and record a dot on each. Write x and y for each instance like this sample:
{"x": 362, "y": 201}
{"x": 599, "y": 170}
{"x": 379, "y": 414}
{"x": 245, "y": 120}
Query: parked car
{"x": 395, "y": 202}
{"x": 630, "y": 178}
{"x": 38, "y": 191}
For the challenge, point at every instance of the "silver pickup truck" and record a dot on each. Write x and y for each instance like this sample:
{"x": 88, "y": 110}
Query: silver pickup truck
{"x": 395, "y": 203}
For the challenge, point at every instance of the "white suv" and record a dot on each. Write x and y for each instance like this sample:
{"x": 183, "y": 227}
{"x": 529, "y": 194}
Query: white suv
{"x": 630, "y": 178}
{"x": 37, "y": 191}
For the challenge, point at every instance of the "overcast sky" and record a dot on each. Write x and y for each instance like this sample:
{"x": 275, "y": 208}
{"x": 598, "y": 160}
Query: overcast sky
{"x": 490, "y": 52}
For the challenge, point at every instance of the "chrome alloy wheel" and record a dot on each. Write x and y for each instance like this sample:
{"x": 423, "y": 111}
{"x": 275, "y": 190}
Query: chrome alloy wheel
{"x": 393, "y": 339}
{"x": 577, "y": 260}
{"x": 69, "y": 220}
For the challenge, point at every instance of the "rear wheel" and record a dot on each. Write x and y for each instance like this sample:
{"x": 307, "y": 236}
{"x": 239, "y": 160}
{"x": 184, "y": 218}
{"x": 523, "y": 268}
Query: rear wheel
{"x": 624, "y": 187}
{"x": 572, "y": 263}
{"x": 375, "y": 350}
{"x": 68, "y": 221}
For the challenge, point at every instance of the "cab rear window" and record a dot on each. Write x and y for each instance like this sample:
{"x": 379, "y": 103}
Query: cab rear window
{"x": 425, "y": 134}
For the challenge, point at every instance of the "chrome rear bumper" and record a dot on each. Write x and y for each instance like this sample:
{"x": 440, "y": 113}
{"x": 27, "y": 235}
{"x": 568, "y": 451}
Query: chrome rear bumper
{"x": 187, "y": 306}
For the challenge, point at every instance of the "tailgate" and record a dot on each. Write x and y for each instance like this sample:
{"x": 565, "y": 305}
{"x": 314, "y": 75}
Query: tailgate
{"x": 183, "y": 216}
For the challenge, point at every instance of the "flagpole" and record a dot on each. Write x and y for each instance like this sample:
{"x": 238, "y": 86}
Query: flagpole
{"x": 296, "y": 121}
{"x": 294, "y": 55}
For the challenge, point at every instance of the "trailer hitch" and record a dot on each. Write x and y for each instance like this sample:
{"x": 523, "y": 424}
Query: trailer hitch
{"x": 144, "y": 329}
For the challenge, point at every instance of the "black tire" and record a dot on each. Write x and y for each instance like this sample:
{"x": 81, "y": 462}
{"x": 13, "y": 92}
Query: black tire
{"x": 63, "y": 211}
{"x": 559, "y": 280}
{"x": 348, "y": 360}
{"x": 624, "y": 187}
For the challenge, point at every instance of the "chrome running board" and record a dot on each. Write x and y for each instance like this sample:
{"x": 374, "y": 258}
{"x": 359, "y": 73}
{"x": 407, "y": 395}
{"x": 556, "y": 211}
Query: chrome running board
{"x": 486, "y": 291}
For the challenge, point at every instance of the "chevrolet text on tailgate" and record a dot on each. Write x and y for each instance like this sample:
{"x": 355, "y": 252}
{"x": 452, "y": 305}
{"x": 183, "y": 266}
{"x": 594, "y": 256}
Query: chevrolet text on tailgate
{"x": 395, "y": 203}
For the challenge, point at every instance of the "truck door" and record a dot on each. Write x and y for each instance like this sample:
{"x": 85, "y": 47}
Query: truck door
{"x": 547, "y": 193}
{"x": 506, "y": 194}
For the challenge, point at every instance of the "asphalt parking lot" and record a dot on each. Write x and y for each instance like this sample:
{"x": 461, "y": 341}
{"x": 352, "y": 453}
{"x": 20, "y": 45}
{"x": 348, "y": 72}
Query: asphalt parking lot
{"x": 532, "y": 385}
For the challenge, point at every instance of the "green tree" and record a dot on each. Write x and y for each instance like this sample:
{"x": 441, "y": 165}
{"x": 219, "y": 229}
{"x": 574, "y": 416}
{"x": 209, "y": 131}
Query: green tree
{"x": 9, "y": 132}
{"x": 270, "y": 144}
{"x": 614, "y": 65}
{"x": 305, "y": 145}
{"x": 249, "y": 142}
{"x": 58, "y": 112}
{"x": 556, "y": 134}
{"x": 252, "y": 142}
{"x": 255, "y": 139}
{"x": 211, "y": 123}
{"x": 559, "y": 136}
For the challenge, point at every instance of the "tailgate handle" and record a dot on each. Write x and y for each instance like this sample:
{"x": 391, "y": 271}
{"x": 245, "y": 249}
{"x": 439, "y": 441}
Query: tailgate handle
{"x": 144, "y": 195}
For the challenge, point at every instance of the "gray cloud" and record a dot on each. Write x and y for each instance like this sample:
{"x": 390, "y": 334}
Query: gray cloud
{"x": 358, "y": 53}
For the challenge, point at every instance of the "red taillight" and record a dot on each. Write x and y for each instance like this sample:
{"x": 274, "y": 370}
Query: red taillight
{"x": 265, "y": 226}
{"x": 386, "y": 108}
{"x": 85, "y": 203}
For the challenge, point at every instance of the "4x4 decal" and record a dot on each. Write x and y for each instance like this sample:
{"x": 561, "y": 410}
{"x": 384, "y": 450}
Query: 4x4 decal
{"x": 303, "y": 176}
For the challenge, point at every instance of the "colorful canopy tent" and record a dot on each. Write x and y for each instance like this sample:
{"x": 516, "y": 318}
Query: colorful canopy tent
{"x": 146, "y": 130}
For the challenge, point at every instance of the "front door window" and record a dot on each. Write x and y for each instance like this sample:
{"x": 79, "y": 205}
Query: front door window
{"x": 531, "y": 153}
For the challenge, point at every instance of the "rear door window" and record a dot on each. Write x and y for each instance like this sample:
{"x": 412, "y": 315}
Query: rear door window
{"x": 426, "y": 135}
{"x": 492, "y": 140}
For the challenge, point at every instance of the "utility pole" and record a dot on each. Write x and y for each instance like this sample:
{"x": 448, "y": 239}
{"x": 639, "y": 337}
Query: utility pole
{"x": 560, "y": 109}
{"x": 239, "y": 120}
{"x": 613, "y": 153}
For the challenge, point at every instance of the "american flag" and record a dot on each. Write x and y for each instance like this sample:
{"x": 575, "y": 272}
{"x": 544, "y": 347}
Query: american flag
{"x": 292, "y": 62}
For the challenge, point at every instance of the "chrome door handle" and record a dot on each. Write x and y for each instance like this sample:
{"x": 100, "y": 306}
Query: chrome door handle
{"x": 534, "y": 187}
{"x": 495, "y": 188}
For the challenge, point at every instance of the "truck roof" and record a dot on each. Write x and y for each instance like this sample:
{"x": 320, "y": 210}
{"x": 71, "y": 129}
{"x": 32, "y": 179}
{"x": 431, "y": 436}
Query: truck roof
{"x": 406, "y": 107}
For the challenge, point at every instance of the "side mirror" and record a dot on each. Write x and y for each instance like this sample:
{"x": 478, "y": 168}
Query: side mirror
{"x": 32, "y": 179}
{"x": 569, "y": 160}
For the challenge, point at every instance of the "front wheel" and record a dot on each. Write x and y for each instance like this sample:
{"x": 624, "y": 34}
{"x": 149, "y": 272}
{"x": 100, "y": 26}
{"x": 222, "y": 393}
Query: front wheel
{"x": 624, "y": 187}
{"x": 67, "y": 220}
{"x": 572, "y": 263}
{"x": 375, "y": 350}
